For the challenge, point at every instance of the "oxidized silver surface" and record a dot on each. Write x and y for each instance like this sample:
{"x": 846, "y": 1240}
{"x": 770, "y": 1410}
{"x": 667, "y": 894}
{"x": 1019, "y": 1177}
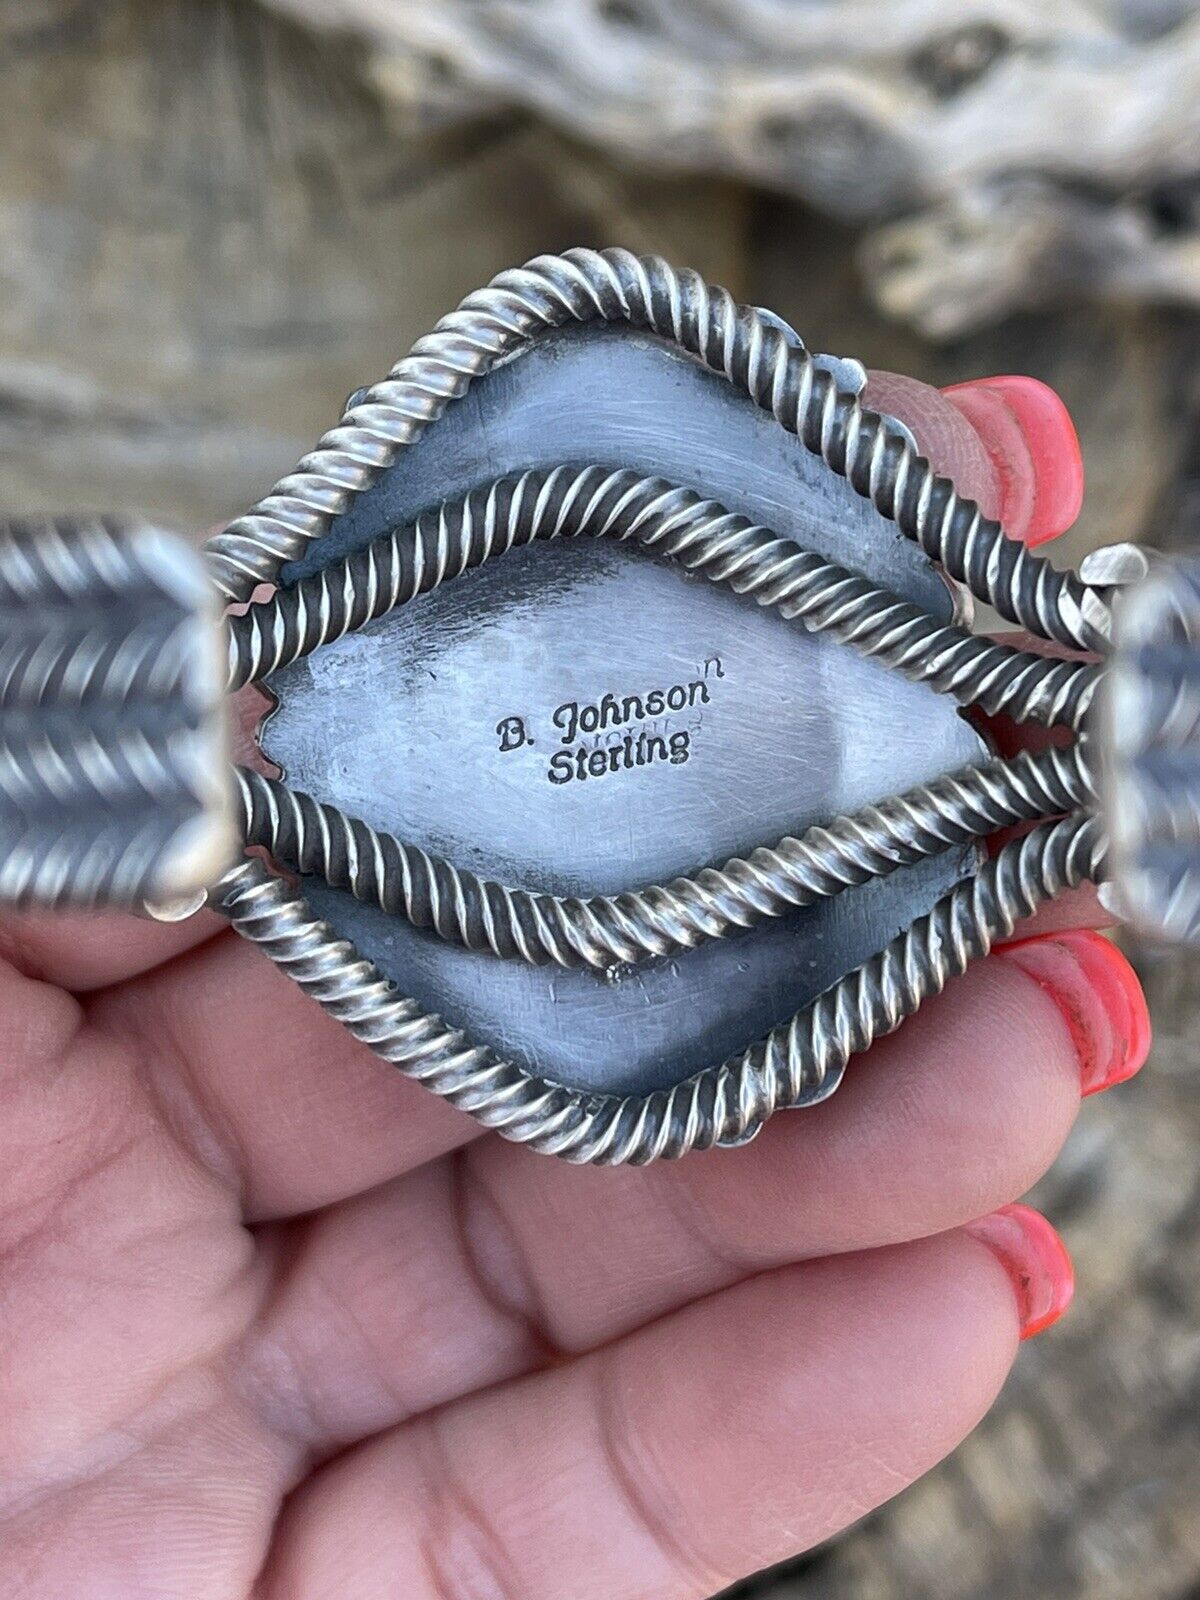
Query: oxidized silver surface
{"x": 575, "y": 827}
{"x": 113, "y": 785}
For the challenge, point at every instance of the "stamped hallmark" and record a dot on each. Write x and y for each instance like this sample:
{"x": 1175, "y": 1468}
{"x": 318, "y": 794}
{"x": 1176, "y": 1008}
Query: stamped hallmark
{"x": 635, "y": 730}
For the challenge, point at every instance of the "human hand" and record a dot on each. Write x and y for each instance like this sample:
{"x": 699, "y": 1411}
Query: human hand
{"x": 278, "y": 1323}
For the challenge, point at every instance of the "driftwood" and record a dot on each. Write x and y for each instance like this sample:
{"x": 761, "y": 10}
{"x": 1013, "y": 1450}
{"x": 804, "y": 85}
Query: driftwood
{"x": 1024, "y": 147}
{"x": 210, "y": 237}
{"x": 212, "y": 233}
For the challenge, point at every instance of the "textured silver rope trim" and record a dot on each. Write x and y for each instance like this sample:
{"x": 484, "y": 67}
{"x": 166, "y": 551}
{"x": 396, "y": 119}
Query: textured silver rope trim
{"x": 90, "y": 862}
{"x": 872, "y": 451}
{"x": 704, "y": 538}
{"x": 307, "y": 836}
{"x": 1149, "y": 720}
{"x": 113, "y": 756}
{"x": 798, "y": 1063}
{"x": 106, "y": 771}
{"x": 88, "y": 666}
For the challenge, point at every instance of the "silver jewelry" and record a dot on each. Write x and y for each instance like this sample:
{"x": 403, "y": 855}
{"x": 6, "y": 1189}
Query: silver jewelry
{"x": 615, "y": 689}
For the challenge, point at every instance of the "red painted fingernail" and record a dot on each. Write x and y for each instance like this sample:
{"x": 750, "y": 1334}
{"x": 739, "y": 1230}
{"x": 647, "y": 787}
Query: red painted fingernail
{"x": 1028, "y": 433}
{"x": 1036, "y": 1261}
{"x": 1100, "y": 999}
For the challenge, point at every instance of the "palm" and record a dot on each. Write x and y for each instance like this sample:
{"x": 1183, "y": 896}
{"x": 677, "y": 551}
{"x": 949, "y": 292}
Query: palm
{"x": 278, "y": 1323}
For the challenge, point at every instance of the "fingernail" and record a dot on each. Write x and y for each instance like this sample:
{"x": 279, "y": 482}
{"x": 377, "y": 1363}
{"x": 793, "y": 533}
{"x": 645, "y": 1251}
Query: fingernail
{"x": 1028, "y": 433}
{"x": 1099, "y": 997}
{"x": 1036, "y": 1261}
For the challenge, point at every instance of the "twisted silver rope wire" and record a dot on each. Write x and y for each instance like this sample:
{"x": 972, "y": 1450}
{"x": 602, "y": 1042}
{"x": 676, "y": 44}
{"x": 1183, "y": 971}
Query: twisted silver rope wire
{"x": 698, "y": 533}
{"x": 113, "y": 786}
{"x": 600, "y": 931}
{"x": 89, "y": 863}
{"x": 1149, "y": 721}
{"x": 82, "y": 665}
{"x": 75, "y": 561}
{"x": 798, "y": 1063}
{"x": 870, "y": 450}
{"x": 83, "y": 769}
{"x": 59, "y": 578}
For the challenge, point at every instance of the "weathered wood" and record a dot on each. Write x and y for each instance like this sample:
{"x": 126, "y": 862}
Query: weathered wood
{"x": 210, "y": 236}
{"x": 1013, "y": 151}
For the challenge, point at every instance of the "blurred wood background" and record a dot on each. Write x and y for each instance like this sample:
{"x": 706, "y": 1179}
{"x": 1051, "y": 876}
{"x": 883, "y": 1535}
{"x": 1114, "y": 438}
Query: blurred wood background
{"x": 210, "y": 234}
